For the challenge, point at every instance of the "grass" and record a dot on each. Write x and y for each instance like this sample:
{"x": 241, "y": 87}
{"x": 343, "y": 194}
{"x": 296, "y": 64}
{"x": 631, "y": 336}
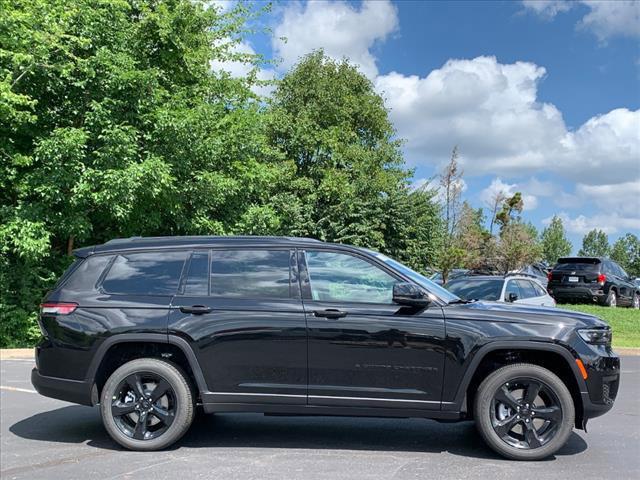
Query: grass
{"x": 625, "y": 322}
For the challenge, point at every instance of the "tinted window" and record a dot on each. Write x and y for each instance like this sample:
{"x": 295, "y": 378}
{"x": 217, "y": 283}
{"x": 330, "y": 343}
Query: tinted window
{"x": 85, "y": 276}
{"x": 512, "y": 287}
{"x": 579, "y": 265}
{"x": 250, "y": 273}
{"x": 197, "y": 281}
{"x": 149, "y": 273}
{"x": 476, "y": 288}
{"x": 338, "y": 277}
{"x": 526, "y": 288}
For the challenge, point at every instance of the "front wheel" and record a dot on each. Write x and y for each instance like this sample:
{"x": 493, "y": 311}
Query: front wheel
{"x": 635, "y": 302}
{"x": 524, "y": 412}
{"x": 147, "y": 404}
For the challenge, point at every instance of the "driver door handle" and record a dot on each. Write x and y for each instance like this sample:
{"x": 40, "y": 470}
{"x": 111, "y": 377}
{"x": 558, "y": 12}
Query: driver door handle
{"x": 331, "y": 313}
{"x": 196, "y": 309}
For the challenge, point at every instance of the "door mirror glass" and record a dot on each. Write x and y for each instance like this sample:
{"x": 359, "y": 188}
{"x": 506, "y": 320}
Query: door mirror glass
{"x": 512, "y": 297}
{"x": 410, "y": 294}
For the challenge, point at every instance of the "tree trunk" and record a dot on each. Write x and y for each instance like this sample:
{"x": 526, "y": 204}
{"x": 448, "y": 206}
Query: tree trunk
{"x": 70, "y": 245}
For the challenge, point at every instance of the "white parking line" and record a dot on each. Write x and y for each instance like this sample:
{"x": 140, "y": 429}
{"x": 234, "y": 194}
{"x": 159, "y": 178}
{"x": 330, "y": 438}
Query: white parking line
{"x": 16, "y": 389}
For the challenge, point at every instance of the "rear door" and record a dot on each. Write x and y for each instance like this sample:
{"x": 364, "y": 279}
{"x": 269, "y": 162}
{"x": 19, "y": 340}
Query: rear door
{"x": 241, "y": 311}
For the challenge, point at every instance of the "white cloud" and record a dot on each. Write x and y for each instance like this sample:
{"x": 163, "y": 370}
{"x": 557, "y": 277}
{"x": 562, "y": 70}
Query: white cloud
{"x": 491, "y": 112}
{"x": 340, "y": 29}
{"x": 497, "y": 186}
{"x": 609, "y": 223}
{"x": 605, "y": 18}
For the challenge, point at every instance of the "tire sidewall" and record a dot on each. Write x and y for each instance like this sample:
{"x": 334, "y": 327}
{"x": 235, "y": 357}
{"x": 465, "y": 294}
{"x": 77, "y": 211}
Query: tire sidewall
{"x": 482, "y": 410}
{"x": 612, "y": 297}
{"x": 184, "y": 400}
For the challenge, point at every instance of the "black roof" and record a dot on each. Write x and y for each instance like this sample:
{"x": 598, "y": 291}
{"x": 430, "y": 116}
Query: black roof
{"x": 132, "y": 243}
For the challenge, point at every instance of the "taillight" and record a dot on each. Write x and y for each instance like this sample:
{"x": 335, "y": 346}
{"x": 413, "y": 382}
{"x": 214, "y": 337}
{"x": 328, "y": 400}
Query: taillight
{"x": 549, "y": 276}
{"x": 58, "y": 308}
{"x": 602, "y": 278}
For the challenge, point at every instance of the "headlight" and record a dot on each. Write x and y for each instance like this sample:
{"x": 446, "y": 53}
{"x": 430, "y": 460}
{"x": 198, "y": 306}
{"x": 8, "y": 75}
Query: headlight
{"x": 596, "y": 336}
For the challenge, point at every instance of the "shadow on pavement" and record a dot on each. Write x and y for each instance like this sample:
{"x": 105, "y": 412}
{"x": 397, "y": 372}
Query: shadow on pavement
{"x": 78, "y": 424}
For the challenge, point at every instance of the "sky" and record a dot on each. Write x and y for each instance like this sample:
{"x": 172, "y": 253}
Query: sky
{"x": 541, "y": 97}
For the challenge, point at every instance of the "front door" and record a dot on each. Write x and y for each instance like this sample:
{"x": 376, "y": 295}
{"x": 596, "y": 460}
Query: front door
{"x": 364, "y": 350}
{"x": 241, "y": 311}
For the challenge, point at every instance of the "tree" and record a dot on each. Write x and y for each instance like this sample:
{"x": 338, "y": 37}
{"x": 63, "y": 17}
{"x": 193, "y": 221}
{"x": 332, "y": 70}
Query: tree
{"x": 554, "y": 241}
{"x": 497, "y": 200}
{"x": 595, "y": 244}
{"x": 350, "y": 182}
{"x": 451, "y": 184}
{"x": 472, "y": 238}
{"x": 626, "y": 251}
{"x": 517, "y": 246}
{"x": 511, "y": 208}
{"x": 112, "y": 123}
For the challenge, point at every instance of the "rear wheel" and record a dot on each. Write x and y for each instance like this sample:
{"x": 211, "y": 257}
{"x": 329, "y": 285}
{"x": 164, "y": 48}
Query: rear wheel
{"x": 635, "y": 303}
{"x": 612, "y": 299}
{"x": 147, "y": 404}
{"x": 524, "y": 412}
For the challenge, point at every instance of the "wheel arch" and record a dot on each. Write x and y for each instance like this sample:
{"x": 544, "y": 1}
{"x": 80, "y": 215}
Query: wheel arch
{"x": 131, "y": 346}
{"x": 554, "y": 357}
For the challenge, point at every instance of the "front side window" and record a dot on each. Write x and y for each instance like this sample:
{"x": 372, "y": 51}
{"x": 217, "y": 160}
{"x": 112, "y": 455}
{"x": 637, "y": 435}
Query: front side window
{"x": 338, "y": 277}
{"x": 512, "y": 287}
{"x": 148, "y": 273}
{"x": 197, "y": 279}
{"x": 250, "y": 273}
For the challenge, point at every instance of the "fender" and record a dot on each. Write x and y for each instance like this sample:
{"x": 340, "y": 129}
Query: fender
{"x": 181, "y": 343}
{"x": 516, "y": 345}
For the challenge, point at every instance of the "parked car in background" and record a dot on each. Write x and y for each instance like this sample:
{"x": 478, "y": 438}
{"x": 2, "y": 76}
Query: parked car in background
{"x": 637, "y": 282}
{"x": 512, "y": 288}
{"x": 455, "y": 273}
{"x": 540, "y": 270}
{"x": 592, "y": 280}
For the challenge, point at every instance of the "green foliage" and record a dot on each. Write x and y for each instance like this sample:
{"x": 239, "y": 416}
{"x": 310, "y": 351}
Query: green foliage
{"x": 518, "y": 246}
{"x": 511, "y": 209}
{"x": 595, "y": 244}
{"x": 554, "y": 241}
{"x": 626, "y": 251}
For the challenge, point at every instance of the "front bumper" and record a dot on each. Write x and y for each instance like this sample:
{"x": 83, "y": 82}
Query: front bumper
{"x": 74, "y": 391}
{"x": 603, "y": 381}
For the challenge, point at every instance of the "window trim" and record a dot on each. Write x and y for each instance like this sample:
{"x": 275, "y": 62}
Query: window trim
{"x": 306, "y": 283}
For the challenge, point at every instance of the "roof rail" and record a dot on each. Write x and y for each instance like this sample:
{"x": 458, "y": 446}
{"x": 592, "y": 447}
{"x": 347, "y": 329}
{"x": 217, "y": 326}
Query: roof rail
{"x": 521, "y": 274}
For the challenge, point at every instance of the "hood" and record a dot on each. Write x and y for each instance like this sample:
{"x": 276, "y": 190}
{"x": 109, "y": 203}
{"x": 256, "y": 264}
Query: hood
{"x": 510, "y": 312}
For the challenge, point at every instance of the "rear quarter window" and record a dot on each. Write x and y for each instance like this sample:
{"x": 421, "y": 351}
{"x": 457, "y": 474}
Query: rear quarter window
{"x": 85, "y": 276}
{"x": 148, "y": 273}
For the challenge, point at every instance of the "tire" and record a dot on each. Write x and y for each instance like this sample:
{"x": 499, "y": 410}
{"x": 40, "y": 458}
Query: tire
{"x": 129, "y": 396}
{"x": 553, "y": 404}
{"x": 635, "y": 301}
{"x": 612, "y": 299}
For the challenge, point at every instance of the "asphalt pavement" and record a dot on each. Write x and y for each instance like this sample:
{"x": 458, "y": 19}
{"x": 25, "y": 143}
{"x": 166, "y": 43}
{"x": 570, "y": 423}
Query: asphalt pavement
{"x": 41, "y": 438}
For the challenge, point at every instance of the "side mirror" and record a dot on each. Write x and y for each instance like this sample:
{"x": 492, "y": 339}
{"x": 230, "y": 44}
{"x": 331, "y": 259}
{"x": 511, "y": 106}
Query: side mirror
{"x": 512, "y": 297}
{"x": 410, "y": 294}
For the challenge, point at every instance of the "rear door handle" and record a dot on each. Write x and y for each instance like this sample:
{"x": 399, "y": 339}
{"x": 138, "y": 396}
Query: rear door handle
{"x": 330, "y": 313}
{"x": 196, "y": 309}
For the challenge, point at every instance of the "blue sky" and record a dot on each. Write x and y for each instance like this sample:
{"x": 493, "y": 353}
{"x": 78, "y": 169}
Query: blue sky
{"x": 541, "y": 97}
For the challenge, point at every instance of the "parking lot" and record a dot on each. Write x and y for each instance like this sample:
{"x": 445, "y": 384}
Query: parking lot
{"x": 45, "y": 438}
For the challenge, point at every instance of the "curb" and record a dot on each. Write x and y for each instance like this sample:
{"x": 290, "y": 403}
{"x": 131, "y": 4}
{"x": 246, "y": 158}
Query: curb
{"x": 9, "y": 353}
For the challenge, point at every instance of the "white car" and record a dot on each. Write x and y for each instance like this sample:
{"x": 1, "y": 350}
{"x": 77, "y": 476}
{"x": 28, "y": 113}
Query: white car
{"x": 511, "y": 288}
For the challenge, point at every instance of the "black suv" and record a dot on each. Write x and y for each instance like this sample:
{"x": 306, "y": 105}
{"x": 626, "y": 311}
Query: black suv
{"x": 150, "y": 328}
{"x": 594, "y": 280}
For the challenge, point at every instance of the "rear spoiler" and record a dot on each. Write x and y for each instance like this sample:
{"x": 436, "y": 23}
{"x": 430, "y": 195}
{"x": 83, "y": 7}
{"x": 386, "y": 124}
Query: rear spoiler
{"x": 83, "y": 252}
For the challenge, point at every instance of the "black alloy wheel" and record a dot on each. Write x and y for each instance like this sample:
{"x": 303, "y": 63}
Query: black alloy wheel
{"x": 526, "y": 413}
{"x": 144, "y": 406}
{"x": 147, "y": 404}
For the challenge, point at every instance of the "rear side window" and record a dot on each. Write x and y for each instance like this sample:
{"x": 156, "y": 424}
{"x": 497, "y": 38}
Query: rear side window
{"x": 539, "y": 290}
{"x": 148, "y": 273}
{"x": 86, "y": 273}
{"x": 250, "y": 273}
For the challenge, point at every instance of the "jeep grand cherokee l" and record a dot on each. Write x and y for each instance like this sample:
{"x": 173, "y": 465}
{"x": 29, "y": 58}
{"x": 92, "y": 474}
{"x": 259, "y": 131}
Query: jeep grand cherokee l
{"x": 150, "y": 328}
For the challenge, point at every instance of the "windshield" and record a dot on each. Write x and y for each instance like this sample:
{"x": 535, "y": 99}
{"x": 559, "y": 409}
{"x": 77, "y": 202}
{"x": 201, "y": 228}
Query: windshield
{"x": 420, "y": 279}
{"x": 476, "y": 288}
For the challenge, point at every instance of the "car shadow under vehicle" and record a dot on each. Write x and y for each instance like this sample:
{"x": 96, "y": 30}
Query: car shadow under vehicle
{"x": 78, "y": 424}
